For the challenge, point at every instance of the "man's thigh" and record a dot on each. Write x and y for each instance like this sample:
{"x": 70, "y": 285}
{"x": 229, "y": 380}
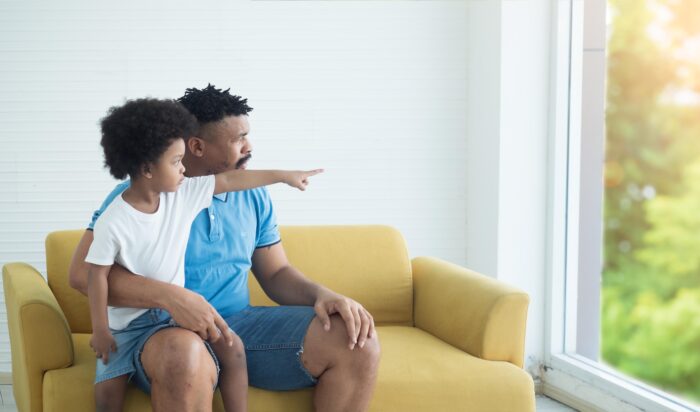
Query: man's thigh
{"x": 274, "y": 341}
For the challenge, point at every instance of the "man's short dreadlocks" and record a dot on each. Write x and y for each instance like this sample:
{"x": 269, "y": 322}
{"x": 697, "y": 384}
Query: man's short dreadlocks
{"x": 211, "y": 104}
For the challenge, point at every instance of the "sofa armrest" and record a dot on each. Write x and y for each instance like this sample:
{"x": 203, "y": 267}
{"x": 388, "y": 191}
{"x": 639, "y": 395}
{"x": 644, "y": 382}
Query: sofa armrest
{"x": 40, "y": 337}
{"x": 480, "y": 315}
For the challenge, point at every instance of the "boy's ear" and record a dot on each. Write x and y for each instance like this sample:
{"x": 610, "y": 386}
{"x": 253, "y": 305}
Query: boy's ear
{"x": 146, "y": 171}
{"x": 195, "y": 145}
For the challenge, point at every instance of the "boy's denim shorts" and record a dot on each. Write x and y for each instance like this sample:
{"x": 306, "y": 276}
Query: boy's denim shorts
{"x": 273, "y": 338}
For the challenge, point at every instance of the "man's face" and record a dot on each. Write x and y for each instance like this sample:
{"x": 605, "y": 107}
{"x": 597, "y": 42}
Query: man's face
{"x": 227, "y": 144}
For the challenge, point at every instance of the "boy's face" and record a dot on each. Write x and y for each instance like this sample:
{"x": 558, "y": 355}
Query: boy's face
{"x": 168, "y": 171}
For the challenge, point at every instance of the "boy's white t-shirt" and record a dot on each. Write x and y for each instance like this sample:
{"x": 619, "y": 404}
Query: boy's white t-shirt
{"x": 151, "y": 245}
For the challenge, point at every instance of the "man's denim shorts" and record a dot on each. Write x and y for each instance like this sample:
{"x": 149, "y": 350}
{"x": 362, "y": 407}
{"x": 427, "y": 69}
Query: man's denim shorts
{"x": 273, "y": 338}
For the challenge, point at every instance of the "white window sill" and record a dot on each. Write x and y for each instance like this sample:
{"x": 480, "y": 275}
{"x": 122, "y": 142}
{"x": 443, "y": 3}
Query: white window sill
{"x": 591, "y": 386}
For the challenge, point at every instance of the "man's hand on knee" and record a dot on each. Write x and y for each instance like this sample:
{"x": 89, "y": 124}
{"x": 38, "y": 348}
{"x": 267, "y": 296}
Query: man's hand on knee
{"x": 358, "y": 321}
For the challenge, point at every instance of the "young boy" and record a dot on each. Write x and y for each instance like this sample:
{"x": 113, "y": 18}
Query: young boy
{"x": 146, "y": 231}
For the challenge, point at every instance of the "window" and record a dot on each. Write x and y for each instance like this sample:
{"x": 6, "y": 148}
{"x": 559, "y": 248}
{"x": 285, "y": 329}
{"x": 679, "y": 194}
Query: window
{"x": 625, "y": 206}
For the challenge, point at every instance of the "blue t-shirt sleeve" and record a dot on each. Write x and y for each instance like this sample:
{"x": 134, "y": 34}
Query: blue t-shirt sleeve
{"x": 267, "y": 233}
{"x": 108, "y": 200}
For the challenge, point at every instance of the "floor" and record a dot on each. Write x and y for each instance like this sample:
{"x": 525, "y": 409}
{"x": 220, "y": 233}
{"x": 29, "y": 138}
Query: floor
{"x": 544, "y": 404}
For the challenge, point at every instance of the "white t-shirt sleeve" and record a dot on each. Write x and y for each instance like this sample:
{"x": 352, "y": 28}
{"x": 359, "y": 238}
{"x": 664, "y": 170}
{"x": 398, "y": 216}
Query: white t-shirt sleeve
{"x": 197, "y": 192}
{"x": 104, "y": 247}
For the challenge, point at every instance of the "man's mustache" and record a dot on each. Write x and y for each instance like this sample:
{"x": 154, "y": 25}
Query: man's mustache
{"x": 242, "y": 161}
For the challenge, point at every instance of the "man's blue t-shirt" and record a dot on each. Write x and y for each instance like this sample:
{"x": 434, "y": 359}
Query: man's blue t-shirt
{"x": 222, "y": 240}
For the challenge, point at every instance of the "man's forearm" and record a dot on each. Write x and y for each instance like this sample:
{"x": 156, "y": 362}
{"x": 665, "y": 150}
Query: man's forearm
{"x": 133, "y": 291}
{"x": 288, "y": 286}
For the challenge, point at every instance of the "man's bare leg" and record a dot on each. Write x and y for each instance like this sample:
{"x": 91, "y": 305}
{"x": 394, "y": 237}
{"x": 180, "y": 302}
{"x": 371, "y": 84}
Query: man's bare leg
{"x": 181, "y": 370}
{"x": 346, "y": 377}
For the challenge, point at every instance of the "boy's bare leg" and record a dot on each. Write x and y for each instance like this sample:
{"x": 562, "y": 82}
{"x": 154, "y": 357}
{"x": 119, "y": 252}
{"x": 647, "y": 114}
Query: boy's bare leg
{"x": 233, "y": 379}
{"x": 109, "y": 394}
{"x": 181, "y": 370}
{"x": 346, "y": 378}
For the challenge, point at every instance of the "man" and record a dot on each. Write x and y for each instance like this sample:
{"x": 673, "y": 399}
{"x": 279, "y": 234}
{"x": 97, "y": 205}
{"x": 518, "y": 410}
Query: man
{"x": 317, "y": 337}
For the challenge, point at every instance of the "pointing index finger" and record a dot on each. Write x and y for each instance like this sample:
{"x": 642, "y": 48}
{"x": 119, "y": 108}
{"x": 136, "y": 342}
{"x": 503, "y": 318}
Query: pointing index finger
{"x": 314, "y": 172}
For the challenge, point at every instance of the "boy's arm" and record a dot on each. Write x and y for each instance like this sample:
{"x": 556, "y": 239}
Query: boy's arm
{"x": 235, "y": 180}
{"x": 189, "y": 309}
{"x": 97, "y": 296}
{"x": 101, "y": 341}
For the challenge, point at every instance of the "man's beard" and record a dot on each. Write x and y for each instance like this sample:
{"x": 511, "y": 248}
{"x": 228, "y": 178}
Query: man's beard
{"x": 241, "y": 162}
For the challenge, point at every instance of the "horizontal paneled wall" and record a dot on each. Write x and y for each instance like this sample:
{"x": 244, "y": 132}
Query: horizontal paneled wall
{"x": 374, "y": 92}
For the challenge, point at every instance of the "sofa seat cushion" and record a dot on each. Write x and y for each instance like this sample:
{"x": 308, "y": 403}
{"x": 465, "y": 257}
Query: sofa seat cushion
{"x": 70, "y": 389}
{"x": 419, "y": 372}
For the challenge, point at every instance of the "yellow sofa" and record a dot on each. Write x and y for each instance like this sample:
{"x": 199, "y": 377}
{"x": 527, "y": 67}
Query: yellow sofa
{"x": 452, "y": 339}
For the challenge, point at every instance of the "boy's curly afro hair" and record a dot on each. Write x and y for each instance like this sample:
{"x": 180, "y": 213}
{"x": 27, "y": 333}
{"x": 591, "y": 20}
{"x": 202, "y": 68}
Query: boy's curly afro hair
{"x": 140, "y": 131}
{"x": 211, "y": 104}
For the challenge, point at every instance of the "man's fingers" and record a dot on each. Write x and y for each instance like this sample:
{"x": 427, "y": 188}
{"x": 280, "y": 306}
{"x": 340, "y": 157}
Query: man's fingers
{"x": 349, "y": 319}
{"x": 105, "y": 357}
{"x": 226, "y": 332}
{"x": 358, "y": 322}
{"x": 372, "y": 330}
{"x": 202, "y": 334}
{"x": 364, "y": 330}
{"x": 323, "y": 317}
{"x": 213, "y": 333}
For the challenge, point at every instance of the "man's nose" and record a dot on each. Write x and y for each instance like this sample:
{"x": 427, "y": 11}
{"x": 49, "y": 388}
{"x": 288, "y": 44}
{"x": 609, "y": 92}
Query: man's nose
{"x": 247, "y": 147}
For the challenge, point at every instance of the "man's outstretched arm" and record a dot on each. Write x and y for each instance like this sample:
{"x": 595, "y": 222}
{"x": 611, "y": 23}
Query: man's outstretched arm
{"x": 286, "y": 285}
{"x": 190, "y": 310}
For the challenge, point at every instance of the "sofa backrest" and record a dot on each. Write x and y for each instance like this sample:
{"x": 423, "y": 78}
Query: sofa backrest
{"x": 367, "y": 263}
{"x": 59, "y": 253}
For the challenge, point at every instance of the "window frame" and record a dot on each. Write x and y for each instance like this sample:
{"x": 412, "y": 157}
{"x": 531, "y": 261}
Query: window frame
{"x": 567, "y": 376}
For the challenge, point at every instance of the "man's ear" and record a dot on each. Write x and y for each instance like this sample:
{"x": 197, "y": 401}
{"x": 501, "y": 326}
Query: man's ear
{"x": 195, "y": 145}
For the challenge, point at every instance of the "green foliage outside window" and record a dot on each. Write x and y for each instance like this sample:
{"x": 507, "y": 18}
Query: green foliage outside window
{"x": 650, "y": 325}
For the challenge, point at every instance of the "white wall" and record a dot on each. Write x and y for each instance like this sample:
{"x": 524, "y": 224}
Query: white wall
{"x": 375, "y": 92}
{"x": 428, "y": 116}
{"x": 525, "y": 115}
{"x": 509, "y": 112}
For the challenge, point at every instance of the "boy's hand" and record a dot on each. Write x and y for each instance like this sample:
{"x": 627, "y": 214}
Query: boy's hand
{"x": 103, "y": 343}
{"x": 299, "y": 178}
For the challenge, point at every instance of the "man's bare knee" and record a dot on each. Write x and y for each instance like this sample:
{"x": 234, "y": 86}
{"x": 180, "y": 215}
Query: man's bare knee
{"x": 326, "y": 349}
{"x": 178, "y": 357}
{"x": 367, "y": 358}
